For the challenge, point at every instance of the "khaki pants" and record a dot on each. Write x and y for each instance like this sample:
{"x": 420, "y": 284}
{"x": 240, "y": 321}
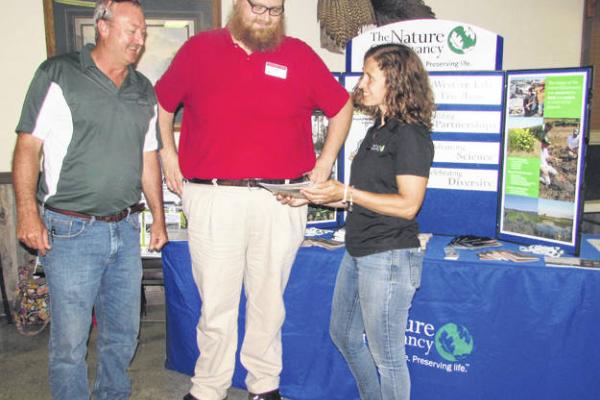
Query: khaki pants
{"x": 240, "y": 235}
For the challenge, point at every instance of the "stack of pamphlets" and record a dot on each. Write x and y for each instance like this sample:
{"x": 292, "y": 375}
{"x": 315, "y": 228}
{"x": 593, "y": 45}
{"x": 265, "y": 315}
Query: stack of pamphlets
{"x": 506, "y": 255}
{"x": 472, "y": 242}
{"x": 328, "y": 244}
{"x": 450, "y": 253}
{"x": 574, "y": 262}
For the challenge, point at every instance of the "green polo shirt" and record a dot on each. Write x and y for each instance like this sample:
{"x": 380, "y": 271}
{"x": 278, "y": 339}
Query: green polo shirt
{"x": 94, "y": 134}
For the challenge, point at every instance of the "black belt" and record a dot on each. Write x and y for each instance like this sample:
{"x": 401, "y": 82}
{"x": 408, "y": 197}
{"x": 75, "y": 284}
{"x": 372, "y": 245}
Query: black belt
{"x": 245, "y": 182}
{"x": 105, "y": 218}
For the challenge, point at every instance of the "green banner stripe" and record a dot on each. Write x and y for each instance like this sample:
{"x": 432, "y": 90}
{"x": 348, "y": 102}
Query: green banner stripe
{"x": 80, "y": 3}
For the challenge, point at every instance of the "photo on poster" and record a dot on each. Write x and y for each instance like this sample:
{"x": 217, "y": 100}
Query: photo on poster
{"x": 526, "y": 97}
{"x": 558, "y": 159}
{"x": 320, "y": 215}
{"x": 547, "y": 219}
{"x": 543, "y": 153}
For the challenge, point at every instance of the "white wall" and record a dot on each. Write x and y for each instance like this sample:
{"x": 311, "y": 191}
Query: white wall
{"x": 537, "y": 34}
{"x": 23, "y": 49}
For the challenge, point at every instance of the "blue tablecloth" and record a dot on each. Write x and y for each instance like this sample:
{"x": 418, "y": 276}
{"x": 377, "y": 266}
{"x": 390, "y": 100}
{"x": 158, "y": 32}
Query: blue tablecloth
{"x": 478, "y": 330}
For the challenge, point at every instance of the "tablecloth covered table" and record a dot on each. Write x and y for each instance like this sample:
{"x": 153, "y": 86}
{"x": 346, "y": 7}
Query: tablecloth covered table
{"x": 478, "y": 330}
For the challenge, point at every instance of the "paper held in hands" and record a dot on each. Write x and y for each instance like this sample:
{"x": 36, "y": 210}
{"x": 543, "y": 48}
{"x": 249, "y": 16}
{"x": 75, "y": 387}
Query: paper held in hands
{"x": 287, "y": 189}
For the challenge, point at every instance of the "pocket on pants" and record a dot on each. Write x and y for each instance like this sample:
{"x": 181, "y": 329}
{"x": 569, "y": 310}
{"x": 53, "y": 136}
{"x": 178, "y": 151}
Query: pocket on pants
{"x": 64, "y": 227}
{"x": 415, "y": 261}
{"x": 134, "y": 220}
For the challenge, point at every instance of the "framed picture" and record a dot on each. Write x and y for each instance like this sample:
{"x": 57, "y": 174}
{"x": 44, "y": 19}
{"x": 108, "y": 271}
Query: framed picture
{"x": 64, "y": 34}
{"x": 544, "y": 146}
{"x": 70, "y": 25}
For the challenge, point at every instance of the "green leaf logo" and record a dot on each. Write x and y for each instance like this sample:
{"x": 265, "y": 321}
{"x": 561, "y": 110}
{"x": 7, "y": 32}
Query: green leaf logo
{"x": 462, "y": 39}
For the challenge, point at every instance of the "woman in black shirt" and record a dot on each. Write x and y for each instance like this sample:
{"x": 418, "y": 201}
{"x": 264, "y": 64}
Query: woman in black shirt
{"x": 381, "y": 269}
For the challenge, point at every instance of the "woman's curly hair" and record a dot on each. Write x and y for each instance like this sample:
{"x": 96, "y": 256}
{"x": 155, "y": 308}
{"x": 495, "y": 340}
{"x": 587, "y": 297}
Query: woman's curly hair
{"x": 409, "y": 97}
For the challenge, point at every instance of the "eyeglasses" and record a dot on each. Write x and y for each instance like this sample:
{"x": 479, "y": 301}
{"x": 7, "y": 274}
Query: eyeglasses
{"x": 259, "y": 9}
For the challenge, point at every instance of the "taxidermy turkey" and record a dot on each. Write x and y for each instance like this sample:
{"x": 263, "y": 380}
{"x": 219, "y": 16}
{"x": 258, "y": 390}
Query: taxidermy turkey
{"x": 388, "y": 11}
{"x": 341, "y": 20}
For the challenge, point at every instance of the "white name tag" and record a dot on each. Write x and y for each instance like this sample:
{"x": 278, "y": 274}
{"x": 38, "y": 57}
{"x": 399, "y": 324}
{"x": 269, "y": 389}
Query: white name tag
{"x": 276, "y": 70}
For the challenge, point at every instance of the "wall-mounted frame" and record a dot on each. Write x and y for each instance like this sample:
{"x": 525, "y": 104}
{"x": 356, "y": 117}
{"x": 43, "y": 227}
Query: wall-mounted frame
{"x": 544, "y": 146}
{"x": 60, "y": 17}
{"x": 69, "y": 25}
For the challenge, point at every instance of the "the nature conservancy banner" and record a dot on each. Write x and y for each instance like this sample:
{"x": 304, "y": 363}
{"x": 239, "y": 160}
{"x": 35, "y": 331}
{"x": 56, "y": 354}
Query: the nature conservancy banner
{"x": 442, "y": 45}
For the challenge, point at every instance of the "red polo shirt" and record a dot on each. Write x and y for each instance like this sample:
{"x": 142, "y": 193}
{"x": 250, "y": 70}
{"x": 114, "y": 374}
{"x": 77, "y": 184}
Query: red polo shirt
{"x": 247, "y": 116}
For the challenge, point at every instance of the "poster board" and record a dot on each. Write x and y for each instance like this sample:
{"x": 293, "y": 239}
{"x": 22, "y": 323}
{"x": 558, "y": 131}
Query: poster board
{"x": 544, "y": 148}
{"x": 464, "y": 63}
{"x": 461, "y": 195}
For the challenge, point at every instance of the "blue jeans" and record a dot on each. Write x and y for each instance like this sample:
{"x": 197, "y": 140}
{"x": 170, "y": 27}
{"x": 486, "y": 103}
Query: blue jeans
{"x": 372, "y": 296}
{"x": 92, "y": 265}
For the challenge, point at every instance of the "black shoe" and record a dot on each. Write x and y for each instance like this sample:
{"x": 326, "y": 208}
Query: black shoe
{"x": 272, "y": 395}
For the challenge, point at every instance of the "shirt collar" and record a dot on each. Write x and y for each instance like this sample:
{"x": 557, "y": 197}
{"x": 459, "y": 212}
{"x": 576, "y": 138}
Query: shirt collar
{"x": 85, "y": 57}
{"x": 390, "y": 123}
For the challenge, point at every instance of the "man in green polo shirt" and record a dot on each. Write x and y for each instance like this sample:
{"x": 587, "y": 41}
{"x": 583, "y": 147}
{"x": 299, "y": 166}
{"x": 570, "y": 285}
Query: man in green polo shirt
{"x": 93, "y": 117}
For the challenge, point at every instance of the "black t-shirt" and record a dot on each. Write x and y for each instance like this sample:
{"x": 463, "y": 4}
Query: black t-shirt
{"x": 386, "y": 151}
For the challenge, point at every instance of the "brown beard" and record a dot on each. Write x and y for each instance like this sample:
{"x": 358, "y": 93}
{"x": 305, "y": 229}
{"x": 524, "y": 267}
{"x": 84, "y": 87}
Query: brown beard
{"x": 254, "y": 39}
